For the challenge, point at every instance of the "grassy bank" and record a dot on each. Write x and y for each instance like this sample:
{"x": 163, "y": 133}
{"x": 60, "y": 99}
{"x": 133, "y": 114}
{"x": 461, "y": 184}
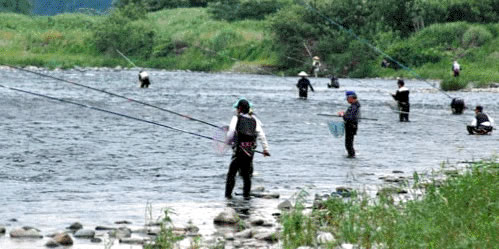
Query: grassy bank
{"x": 189, "y": 39}
{"x": 459, "y": 212}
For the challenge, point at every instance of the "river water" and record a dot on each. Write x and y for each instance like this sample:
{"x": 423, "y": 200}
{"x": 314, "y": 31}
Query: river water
{"x": 61, "y": 163}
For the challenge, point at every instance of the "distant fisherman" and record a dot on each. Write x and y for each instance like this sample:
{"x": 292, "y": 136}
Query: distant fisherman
{"x": 402, "y": 98}
{"x": 457, "y": 106}
{"x": 316, "y": 65}
{"x": 456, "y": 68}
{"x": 144, "y": 79}
{"x": 351, "y": 118}
{"x": 303, "y": 85}
{"x": 243, "y": 131}
{"x": 482, "y": 124}
{"x": 334, "y": 82}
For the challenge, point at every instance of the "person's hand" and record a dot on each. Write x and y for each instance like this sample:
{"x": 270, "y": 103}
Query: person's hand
{"x": 341, "y": 114}
{"x": 266, "y": 153}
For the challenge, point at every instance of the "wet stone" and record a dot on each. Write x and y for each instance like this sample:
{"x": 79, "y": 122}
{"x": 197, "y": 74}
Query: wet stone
{"x": 123, "y": 222}
{"x": 2, "y": 230}
{"x": 75, "y": 226}
{"x": 25, "y": 233}
{"x": 63, "y": 239}
{"x": 85, "y": 233}
{"x": 96, "y": 240}
{"x": 104, "y": 228}
{"x": 133, "y": 241}
{"x": 228, "y": 216}
{"x": 51, "y": 243}
{"x": 246, "y": 234}
{"x": 122, "y": 232}
{"x": 285, "y": 205}
{"x": 324, "y": 237}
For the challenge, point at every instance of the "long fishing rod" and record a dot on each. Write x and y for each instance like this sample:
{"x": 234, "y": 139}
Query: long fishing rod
{"x": 115, "y": 113}
{"x": 109, "y": 112}
{"x": 379, "y": 51}
{"x": 338, "y": 116}
{"x": 117, "y": 95}
{"x": 126, "y": 58}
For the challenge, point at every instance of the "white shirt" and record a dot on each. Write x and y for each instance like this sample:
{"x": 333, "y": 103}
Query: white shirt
{"x": 144, "y": 75}
{"x": 489, "y": 123}
{"x": 259, "y": 131}
{"x": 456, "y": 66}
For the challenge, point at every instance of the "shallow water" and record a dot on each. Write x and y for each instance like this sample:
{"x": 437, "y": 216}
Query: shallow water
{"x": 61, "y": 163}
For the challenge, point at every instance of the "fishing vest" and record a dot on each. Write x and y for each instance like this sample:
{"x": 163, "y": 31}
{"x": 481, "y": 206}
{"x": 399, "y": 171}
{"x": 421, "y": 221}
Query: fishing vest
{"x": 245, "y": 138}
{"x": 403, "y": 95}
{"x": 481, "y": 118}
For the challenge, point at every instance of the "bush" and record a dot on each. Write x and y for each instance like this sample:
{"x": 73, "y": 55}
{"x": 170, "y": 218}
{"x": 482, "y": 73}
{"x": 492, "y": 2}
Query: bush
{"x": 232, "y": 10}
{"x": 476, "y": 36}
{"x": 451, "y": 83}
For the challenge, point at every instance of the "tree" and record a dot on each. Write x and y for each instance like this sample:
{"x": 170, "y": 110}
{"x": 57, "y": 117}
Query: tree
{"x": 17, "y": 6}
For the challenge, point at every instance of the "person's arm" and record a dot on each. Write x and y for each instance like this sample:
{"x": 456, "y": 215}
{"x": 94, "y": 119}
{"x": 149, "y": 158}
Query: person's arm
{"x": 261, "y": 136}
{"x": 473, "y": 122}
{"x": 231, "y": 131}
{"x": 395, "y": 96}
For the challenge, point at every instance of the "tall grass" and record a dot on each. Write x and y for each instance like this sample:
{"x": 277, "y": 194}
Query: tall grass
{"x": 460, "y": 212}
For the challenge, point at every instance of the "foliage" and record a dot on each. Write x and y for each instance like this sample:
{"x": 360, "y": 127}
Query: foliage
{"x": 166, "y": 238}
{"x": 123, "y": 30}
{"x": 155, "y": 5}
{"x": 459, "y": 212}
{"x": 16, "y": 6}
{"x": 232, "y": 10}
{"x": 451, "y": 83}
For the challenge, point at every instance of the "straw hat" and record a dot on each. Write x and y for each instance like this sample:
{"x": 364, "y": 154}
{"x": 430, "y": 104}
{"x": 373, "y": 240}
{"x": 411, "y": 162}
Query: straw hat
{"x": 316, "y": 58}
{"x": 303, "y": 74}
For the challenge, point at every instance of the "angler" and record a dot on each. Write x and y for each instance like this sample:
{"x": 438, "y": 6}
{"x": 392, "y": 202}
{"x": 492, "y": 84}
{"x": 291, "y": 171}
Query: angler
{"x": 482, "y": 124}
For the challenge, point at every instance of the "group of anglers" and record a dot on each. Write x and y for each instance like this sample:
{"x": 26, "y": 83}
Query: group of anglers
{"x": 245, "y": 128}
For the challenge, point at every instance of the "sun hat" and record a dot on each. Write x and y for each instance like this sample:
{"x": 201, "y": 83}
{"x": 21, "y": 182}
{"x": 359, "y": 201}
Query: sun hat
{"x": 303, "y": 74}
{"x": 316, "y": 58}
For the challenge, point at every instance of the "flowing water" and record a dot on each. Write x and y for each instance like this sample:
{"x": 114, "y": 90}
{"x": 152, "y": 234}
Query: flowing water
{"x": 60, "y": 163}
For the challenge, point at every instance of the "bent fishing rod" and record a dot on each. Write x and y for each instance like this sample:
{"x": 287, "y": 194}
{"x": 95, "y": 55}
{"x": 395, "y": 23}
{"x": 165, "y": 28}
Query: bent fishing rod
{"x": 114, "y": 113}
{"x": 338, "y": 116}
{"x": 117, "y": 95}
{"x": 126, "y": 58}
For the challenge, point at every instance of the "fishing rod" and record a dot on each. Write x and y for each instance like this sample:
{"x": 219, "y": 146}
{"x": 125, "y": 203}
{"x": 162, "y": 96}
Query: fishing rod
{"x": 379, "y": 51}
{"x": 126, "y": 58}
{"x": 117, "y": 95}
{"x": 338, "y": 116}
{"x": 115, "y": 113}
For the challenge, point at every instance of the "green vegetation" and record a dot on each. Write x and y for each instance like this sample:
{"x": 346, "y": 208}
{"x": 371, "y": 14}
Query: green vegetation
{"x": 459, "y": 212}
{"x": 277, "y": 37}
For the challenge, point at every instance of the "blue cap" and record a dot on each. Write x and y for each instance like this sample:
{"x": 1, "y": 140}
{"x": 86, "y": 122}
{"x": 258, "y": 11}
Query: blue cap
{"x": 350, "y": 93}
{"x": 236, "y": 105}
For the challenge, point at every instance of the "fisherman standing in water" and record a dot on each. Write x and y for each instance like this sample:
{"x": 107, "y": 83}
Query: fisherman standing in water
{"x": 316, "y": 65}
{"x": 144, "y": 79}
{"x": 243, "y": 131}
{"x": 482, "y": 124}
{"x": 303, "y": 85}
{"x": 351, "y": 118}
{"x": 402, "y": 98}
{"x": 457, "y": 106}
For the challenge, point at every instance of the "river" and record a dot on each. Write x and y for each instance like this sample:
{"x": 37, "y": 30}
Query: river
{"x": 61, "y": 163}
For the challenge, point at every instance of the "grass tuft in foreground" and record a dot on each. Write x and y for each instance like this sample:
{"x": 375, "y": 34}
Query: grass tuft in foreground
{"x": 459, "y": 212}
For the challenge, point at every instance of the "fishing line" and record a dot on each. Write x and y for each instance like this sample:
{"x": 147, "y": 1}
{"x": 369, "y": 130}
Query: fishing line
{"x": 116, "y": 113}
{"x": 126, "y": 58}
{"x": 365, "y": 42}
{"x": 335, "y": 115}
{"x": 109, "y": 112}
{"x": 117, "y": 95}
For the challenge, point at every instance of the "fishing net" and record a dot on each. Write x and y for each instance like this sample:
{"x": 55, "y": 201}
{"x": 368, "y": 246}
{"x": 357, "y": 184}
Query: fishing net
{"x": 337, "y": 129}
{"x": 221, "y": 135}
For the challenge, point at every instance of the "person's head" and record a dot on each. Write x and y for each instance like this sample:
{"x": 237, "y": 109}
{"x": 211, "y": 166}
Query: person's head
{"x": 242, "y": 106}
{"x": 351, "y": 96}
{"x": 478, "y": 108}
{"x": 303, "y": 74}
{"x": 400, "y": 82}
{"x": 316, "y": 58}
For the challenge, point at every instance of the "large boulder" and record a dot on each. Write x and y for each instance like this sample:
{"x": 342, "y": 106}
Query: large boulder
{"x": 228, "y": 216}
{"x": 63, "y": 239}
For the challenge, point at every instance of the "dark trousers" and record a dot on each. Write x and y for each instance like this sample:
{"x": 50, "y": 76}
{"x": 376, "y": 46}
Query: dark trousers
{"x": 480, "y": 130}
{"x": 144, "y": 83}
{"x": 303, "y": 93}
{"x": 350, "y": 132}
{"x": 404, "y": 112}
{"x": 244, "y": 165}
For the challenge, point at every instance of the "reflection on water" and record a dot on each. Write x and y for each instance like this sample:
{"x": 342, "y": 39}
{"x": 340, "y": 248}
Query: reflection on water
{"x": 61, "y": 163}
